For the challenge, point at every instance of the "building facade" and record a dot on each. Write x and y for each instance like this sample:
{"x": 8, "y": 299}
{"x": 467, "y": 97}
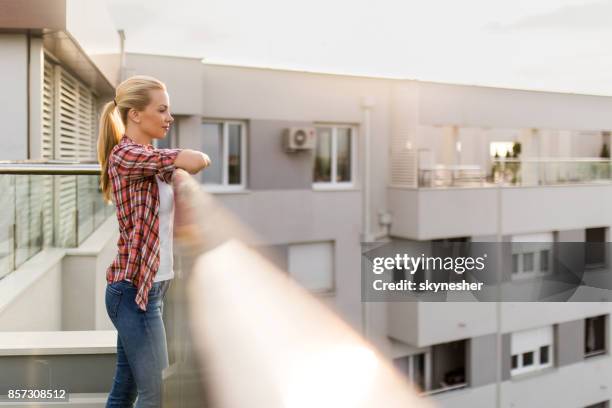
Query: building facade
{"x": 429, "y": 175}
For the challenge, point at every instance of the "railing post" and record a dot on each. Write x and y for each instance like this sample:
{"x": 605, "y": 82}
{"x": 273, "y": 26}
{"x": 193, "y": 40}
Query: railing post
{"x": 12, "y": 233}
{"x": 42, "y": 227}
{"x": 76, "y": 210}
{"x": 15, "y": 224}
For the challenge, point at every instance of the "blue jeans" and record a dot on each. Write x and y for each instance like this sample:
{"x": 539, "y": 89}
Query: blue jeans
{"x": 142, "y": 352}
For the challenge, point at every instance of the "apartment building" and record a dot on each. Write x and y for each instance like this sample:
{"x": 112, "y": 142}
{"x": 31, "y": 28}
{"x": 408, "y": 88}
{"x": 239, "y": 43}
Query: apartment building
{"x": 390, "y": 160}
{"x": 434, "y": 156}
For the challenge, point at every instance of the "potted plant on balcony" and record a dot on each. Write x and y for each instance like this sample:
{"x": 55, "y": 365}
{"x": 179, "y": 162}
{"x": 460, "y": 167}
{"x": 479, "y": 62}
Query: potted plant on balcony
{"x": 496, "y": 169}
{"x": 515, "y": 166}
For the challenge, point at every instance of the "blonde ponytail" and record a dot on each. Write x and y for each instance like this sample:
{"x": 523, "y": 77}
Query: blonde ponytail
{"x": 133, "y": 93}
{"x": 109, "y": 135}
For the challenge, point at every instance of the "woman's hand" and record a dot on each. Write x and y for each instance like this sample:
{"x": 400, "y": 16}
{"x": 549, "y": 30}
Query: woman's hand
{"x": 206, "y": 160}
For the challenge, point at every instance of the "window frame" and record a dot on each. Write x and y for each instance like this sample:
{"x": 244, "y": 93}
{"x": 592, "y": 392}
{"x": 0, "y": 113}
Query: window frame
{"x": 604, "y": 263}
{"x": 534, "y": 350}
{"x": 411, "y": 369}
{"x": 532, "y": 245}
{"x": 333, "y": 184}
{"x": 224, "y": 186}
{"x": 599, "y": 352}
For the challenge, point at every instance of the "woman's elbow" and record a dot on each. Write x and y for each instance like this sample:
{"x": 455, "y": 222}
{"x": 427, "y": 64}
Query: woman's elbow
{"x": 192, "y": 161}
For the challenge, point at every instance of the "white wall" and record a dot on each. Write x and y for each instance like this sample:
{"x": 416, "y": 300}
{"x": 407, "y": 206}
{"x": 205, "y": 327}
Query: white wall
{"x": 445, "y": 104}
{"x": 294, "y": 216}
{"x": 182, "y": 76}
{"x": 250, "y": 93}
{"x": 32, "y": 295}
{"x": 518, "y": 316}
{"x": 430, "y": 213}
{"x": 14, "y": 96}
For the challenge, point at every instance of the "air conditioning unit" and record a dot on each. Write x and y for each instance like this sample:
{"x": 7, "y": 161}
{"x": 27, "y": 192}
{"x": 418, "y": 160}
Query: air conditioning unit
{"x": 299, "y": 138}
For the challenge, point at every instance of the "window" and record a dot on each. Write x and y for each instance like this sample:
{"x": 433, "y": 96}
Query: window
{"x": 449, "y": 360}
{"x": 528, "y": 262}
{"x": 225, "y": 143}
{"x": 532, "y": 350}
{"x": 312, "y": 265}
{"x": 335, "y": 156}
{"x": 544, "y": 354}
{"x": 416, "y": 367}
{"x": 532, "y": 255}
{"x": 440, "y": 368}
{"x": 595, "y": 336}
{"x": 544, "y": 260}
{"x": 595, "y": 251}
{"x": 527, "y": 359}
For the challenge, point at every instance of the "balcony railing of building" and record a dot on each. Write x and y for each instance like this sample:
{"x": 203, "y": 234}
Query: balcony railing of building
{"x": 243, "y": 333}
{"x": 519, "y": 172}
{"x": 240, "y": 331}
{"x": 47, "y": 203}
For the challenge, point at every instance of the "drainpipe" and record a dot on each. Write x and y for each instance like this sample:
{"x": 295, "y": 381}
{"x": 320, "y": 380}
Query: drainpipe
{"x": 367, "y": 103}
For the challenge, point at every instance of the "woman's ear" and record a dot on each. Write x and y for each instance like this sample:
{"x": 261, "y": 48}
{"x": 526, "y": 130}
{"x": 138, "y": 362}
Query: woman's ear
{"x": 134, "y": 115}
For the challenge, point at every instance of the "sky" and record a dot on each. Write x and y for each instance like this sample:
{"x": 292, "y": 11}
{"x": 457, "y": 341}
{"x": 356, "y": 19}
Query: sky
{"x": 552, "y": 45}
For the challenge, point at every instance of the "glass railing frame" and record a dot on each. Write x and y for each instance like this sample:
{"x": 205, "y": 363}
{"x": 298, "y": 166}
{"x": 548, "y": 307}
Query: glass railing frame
{"x": 77, "y": 234}
{"x": 512, "y": 172}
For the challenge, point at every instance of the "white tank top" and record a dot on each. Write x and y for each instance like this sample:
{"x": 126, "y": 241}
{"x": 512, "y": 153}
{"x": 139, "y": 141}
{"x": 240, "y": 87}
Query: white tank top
{"x": 166, "y": 218}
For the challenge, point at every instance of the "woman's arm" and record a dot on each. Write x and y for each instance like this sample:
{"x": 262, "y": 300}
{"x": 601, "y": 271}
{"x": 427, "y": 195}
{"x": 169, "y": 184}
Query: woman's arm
{"x": 134, "y": 161}
{"x": 192, "y": 161}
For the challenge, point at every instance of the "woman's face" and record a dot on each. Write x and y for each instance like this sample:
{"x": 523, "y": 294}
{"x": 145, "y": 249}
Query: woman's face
{"x": 155, "y": 119}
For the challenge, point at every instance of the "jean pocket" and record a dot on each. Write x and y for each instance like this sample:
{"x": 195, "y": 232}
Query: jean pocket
{"x": 113, "y": 299}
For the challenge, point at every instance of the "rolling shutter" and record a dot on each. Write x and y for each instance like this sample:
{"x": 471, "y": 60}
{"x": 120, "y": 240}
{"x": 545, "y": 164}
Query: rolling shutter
{"x": 48, "y": 124}
{"x": 403, "y": 162}
{"x": 73, "y": 141}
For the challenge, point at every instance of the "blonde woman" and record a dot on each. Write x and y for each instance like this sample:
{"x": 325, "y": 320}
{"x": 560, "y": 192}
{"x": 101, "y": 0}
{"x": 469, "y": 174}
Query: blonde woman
{"x": 138, "y": 178}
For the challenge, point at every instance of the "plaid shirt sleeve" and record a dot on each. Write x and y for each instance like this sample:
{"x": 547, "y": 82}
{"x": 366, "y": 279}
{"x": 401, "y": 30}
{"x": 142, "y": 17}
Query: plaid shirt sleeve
{"x": 135, "y": 161}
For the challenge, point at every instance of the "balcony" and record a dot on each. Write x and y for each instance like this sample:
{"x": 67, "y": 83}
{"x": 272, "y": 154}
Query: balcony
{"x": 57, "y": 236}
{"x": 47, "y": 203}
{"x": 412, "y": 322}
{"x": 555, "y": 194}
{"x": 296, "y": 346}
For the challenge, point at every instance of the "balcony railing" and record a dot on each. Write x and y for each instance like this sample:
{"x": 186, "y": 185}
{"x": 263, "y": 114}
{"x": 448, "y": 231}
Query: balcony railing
{"x": 451, "y": 176}
{"x": 47, "y": 203}
{"x": 519, "y": 172}
{"x": 551, "y": 171}
{"x": 246, "y": 335}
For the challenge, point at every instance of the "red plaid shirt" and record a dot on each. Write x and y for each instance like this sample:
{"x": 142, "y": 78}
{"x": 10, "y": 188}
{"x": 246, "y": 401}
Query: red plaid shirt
{"x": 132, "y": 168}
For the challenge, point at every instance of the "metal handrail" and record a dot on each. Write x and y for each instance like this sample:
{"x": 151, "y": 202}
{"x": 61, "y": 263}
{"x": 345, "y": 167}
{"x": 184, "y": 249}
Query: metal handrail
{"x": 450, "y": 167}
{"x": 49, "y": 167}
{"x": 254, "y": 329}
{"x": 553, "y": 160}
